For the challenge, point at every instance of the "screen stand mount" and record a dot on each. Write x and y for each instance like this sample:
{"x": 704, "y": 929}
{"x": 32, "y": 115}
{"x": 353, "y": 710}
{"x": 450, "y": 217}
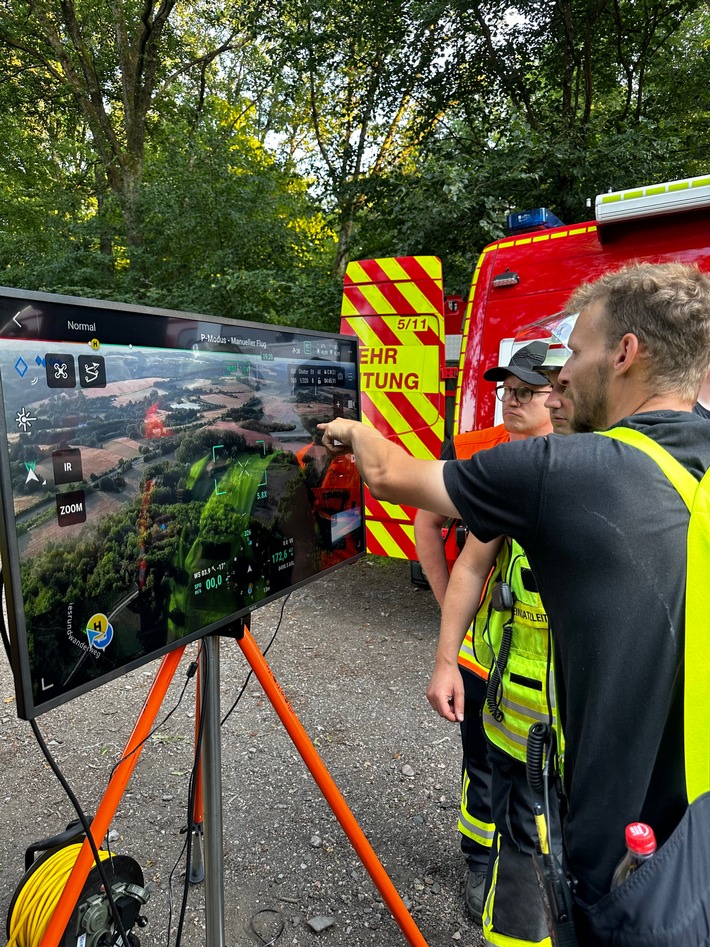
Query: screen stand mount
{"x": 212, "y": 793}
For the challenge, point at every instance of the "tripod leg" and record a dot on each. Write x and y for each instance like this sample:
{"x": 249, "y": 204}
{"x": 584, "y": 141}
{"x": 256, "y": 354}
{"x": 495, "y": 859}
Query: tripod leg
{"x": 330, "y": 791}
{"x": 197, "y": 858}
{"x": 111, "y": 798}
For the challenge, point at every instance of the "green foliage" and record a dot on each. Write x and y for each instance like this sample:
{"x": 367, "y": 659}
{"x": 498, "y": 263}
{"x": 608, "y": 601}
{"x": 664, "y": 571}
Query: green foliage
{"x": 226, "y": 232}
{"x": 543, "y": 118}
{"x": 363, "y": 75}
{"x": 172, "y": 202}
{"x": 272, "y": 143}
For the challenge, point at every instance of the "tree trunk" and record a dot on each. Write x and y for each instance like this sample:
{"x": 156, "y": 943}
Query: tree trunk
{"x": 130, "y": 197}
{"x": 342, "y": 254}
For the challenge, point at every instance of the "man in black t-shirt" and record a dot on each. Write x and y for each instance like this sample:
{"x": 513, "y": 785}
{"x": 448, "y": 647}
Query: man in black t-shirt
{"x": 605, "y": 533}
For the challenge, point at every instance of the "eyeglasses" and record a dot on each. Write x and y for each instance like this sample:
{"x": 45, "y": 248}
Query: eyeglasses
{"x": 522, "y": 395}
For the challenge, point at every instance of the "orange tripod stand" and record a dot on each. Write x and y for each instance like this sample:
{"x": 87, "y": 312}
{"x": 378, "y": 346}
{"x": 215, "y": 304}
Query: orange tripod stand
{"x": 211, "y": 797}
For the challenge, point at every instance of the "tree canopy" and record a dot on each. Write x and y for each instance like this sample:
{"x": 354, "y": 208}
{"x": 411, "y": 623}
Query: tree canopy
{"x": 233, "y": 160}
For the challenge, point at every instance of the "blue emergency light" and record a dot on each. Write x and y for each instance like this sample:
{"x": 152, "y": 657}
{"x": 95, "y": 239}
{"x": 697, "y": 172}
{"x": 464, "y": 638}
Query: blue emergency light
{"x": 538, "y": 219}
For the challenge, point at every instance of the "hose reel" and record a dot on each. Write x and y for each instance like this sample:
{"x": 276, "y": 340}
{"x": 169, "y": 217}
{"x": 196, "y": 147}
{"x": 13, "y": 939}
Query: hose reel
{"x": 92, "y": 923}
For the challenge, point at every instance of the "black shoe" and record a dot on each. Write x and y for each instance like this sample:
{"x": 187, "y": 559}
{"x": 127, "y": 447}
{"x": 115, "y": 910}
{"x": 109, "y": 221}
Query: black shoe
{"x": 474, "y": 895}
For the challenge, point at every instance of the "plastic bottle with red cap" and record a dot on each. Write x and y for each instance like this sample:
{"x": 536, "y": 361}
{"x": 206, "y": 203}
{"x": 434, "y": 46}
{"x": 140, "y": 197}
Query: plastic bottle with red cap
{"x": 640, "y": 846}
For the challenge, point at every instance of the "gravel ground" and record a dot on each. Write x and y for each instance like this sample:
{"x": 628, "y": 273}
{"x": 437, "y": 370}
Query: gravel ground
{"x": 353, "y": 655}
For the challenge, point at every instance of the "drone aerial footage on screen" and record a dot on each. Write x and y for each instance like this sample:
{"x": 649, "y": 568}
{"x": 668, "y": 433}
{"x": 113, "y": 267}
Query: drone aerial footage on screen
{"x": 161, "y": 476}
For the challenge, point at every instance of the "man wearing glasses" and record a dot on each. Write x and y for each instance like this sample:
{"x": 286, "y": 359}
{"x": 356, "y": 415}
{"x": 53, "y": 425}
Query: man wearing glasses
{"x": 524, "y": 412}
{"x": 522, "y": 393}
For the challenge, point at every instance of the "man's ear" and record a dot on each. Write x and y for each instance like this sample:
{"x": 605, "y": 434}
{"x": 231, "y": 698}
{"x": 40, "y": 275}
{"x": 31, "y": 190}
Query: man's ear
{"x": 627, "y": 353}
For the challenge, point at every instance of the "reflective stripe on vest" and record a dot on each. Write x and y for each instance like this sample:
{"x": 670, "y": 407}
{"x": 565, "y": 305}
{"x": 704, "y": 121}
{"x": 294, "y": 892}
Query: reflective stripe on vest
{"x": 527, "y": 693}
{"x": 479, "y": 645}
{"x": 513, "y": 728}
{"x": 467, "y": 657}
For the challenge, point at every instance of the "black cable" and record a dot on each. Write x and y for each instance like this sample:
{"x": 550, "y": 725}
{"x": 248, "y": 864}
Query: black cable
{"x": 191, "y": 670}
{"x": 87, "y": 829}
{"x": 535, "y": 757}
{"x": 264, "y": 652}
{"x": 170, "y": 887}
{"x": 3, "y": 629}
{"x": 547, "y": 772}
{"x": 192, "y": 791}
{"x": 77, "y": 806}
{"x": 279, "y": 932}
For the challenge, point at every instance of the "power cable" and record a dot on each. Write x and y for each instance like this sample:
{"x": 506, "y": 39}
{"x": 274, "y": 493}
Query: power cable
{"x": 3, "y": 629}
{"x": 265, "y": 652}
{"x": 39, "y": 884}
{"x": 279, "y": 932}
{"x": 189, "y": 674}
{"x": 51, "y": 875}
{"x": 86, "y": 827}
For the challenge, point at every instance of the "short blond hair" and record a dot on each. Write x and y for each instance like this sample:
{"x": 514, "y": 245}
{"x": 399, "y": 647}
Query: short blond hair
{"x": 667, "y": 307}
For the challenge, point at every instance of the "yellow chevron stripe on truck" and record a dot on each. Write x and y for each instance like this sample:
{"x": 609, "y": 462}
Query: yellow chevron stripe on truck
{"x": 395, "y": 308}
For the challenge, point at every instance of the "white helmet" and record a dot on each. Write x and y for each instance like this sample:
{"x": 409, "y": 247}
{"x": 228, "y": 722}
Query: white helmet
{"x": 558, "y": 350}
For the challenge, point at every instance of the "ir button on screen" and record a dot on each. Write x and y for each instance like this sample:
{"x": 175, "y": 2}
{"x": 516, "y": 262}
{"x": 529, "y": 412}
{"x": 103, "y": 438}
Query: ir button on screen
{"x": 67, "y": 466}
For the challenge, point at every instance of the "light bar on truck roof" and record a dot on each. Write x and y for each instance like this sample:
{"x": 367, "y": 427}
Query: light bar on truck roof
{"x": 538, "y": 219}
{"x": 651, "y": 201}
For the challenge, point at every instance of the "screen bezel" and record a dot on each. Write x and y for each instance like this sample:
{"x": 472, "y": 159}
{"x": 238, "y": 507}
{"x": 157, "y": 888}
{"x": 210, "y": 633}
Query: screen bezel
{"x": 27, "y": 707}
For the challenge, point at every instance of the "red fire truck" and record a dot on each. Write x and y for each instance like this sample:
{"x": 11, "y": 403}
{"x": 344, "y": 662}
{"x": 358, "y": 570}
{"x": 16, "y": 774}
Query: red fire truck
{"x": 421, "y": 352}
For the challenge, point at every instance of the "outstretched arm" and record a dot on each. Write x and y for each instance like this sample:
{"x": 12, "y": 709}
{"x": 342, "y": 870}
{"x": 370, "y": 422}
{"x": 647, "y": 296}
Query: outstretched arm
{"x": 463, "y": 595}
{"x": 389, "y": 471}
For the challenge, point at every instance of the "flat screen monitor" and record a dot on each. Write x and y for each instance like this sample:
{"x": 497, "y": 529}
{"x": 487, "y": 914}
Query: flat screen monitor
{"x": 161, "y": 477}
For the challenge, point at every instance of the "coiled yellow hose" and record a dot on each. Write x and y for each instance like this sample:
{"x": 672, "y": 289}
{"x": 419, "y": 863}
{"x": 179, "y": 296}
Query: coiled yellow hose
{"x": 39, "y": 895}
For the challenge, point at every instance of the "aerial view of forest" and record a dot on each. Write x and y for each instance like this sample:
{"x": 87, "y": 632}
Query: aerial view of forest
{"x": 185, "y": 490}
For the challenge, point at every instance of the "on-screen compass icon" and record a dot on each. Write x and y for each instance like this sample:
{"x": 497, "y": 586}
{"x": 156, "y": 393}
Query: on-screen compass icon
{"x": 32, "y": 476}
{"x": 23, "y": 419}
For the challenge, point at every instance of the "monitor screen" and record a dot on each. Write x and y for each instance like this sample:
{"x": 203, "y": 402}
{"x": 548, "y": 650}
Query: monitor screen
{"x": 161, "y": 476}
